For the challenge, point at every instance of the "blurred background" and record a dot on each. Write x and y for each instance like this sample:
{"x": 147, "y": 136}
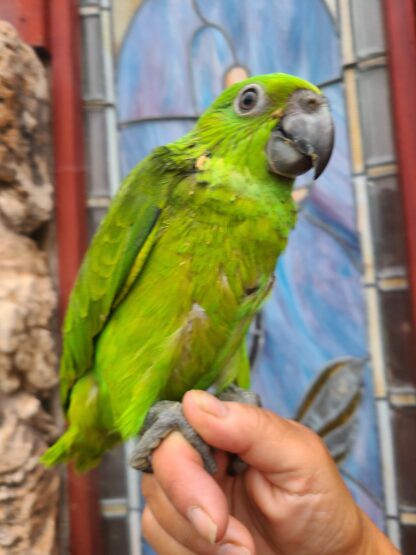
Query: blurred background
{"x": 88, "y": 90}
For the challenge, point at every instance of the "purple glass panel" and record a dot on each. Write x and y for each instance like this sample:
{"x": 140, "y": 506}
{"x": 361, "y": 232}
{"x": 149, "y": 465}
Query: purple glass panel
{"x": 153, "y": 66}
{"x": 211, "y": 57}
{"x": 279, "y": 35}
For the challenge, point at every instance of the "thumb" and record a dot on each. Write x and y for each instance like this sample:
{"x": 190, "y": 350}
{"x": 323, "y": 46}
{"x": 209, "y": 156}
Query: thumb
{"x": 265, "y": 441}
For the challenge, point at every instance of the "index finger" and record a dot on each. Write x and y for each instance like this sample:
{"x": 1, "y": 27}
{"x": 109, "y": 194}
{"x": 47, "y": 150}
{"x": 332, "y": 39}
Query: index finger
{"x": 196, "y": 495}
{"x": 265, "y": 441}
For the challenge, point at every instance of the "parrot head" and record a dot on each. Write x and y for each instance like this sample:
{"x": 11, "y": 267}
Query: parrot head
{"x": 276, "y": 123}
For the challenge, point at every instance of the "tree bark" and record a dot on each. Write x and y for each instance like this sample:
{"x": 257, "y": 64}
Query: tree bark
{"x": 28, "y": 492}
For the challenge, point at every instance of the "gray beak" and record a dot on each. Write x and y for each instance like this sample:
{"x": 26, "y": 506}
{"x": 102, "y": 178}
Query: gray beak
{"x": 304, "y": 136}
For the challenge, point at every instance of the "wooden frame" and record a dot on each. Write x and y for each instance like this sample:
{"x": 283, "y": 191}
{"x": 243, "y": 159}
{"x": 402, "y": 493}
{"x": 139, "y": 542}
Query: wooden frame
{"x": 30, "y": 19}
{"x": 71, "y": 215}
{"x": 400, "y": 24}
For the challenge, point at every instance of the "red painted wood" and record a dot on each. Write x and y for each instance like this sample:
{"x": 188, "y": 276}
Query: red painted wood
{"x": 30, "y": 19}
{"x": 84, "y": 515}
{"x": 85, "y": 536}
{"x": 68, "y": 143}
{"x": 400, "y": 24}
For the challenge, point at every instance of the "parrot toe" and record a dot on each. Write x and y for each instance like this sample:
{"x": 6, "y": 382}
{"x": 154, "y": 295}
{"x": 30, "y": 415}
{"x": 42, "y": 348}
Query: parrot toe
{"x": 239, "y": 395}
{"x": 167, "y": 416}
{"x": 163, "y": 418}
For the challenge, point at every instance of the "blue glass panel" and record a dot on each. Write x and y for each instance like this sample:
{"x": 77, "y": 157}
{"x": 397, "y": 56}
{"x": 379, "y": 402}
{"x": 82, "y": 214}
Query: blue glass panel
{"x": 333, "y": 191}
{"x": 153, "y": 66}
{"x": 315, "y": 314}
{"x": 147, "y": 550}
{"x": 139, "y": 139}
{"x": 211, "y": 57}
{"x": 279, "y": 35}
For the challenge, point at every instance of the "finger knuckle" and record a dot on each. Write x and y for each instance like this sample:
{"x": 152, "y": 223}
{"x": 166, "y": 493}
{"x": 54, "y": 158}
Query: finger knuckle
{"x": 259, "y": 419}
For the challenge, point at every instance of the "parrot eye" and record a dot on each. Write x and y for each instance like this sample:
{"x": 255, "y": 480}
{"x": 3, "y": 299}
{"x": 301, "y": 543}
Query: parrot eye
{"x": 250, "y": 101}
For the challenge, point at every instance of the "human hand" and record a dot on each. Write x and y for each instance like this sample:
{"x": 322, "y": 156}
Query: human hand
{"x": 291, "y": 499}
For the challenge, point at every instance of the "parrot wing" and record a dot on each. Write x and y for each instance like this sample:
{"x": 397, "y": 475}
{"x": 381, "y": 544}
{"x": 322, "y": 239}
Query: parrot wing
{"x": 232, "y": 363}
{"x": 113, "y": 261}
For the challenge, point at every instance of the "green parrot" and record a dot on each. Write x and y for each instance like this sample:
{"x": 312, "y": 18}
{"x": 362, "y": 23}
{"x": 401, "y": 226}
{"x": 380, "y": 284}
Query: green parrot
{"x": 183, "y": 260}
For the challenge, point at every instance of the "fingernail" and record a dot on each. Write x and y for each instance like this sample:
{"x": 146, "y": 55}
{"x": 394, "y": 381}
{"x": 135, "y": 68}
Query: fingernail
{"x": 202, "y": 523}
{"x": 231, "y": 549}
{"x": 210, "y": 404}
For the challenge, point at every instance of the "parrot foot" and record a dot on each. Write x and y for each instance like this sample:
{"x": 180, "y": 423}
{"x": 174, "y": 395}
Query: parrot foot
{"x": 240, "y": 395}
{"x": 163, "y": 418}
{"x": 167, "y": 416}
{"x": 237, "y": 394}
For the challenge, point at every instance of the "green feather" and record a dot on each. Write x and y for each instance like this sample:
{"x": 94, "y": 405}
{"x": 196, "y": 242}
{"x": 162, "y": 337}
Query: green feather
{"x": 173, "y": 277}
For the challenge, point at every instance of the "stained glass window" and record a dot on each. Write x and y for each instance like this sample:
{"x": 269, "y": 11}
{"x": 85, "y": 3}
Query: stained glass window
{"x": 173, "y": 57}
{"x": 172, "y": 64}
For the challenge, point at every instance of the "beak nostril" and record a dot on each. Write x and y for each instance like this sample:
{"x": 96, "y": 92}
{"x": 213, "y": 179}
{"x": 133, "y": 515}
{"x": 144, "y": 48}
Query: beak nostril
{"x": 311, "y": 104}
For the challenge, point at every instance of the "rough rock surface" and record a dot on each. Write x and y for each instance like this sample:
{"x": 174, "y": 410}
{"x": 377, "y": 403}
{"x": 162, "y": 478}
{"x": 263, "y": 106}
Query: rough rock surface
{"x": 28, "y": 492}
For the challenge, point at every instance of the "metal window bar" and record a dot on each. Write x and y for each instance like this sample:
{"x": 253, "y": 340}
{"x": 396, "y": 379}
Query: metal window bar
{"x": 98, "y": 46}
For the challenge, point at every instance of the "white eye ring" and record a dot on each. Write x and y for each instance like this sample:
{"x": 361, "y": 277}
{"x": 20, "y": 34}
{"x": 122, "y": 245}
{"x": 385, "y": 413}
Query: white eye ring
{"x": 250, "y": 101}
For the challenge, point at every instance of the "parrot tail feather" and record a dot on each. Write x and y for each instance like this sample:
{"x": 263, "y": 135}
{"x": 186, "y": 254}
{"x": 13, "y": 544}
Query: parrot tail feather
{"x": 85, "y": 453}
{"x": 60, "y": 451}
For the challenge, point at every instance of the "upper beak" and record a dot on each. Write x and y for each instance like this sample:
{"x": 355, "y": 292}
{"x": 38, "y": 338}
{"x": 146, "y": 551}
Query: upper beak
{"x": 304, "y": 136}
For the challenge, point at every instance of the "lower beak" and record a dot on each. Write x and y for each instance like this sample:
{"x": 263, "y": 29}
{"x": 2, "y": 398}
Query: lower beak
{"x": 304, "y": 136}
